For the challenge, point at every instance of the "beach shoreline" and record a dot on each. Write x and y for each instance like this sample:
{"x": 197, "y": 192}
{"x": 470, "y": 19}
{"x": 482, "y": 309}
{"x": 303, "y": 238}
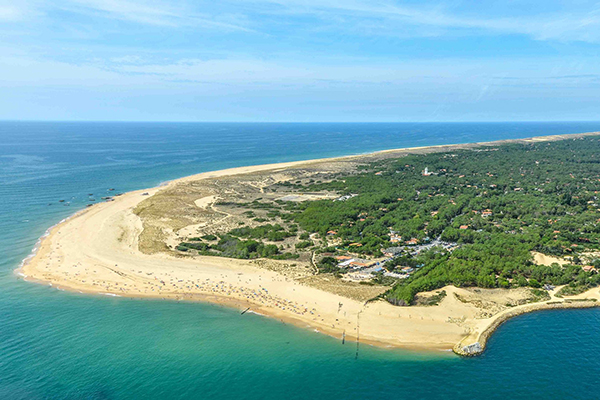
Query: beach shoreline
{"x": 78, "y": 254}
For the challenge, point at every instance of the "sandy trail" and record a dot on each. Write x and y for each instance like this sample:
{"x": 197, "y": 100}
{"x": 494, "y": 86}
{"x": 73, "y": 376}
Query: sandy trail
{"x": 206, "y": 201}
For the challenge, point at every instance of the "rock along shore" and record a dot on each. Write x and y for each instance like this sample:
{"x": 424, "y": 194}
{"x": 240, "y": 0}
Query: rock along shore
{"x": 463, "y": 348}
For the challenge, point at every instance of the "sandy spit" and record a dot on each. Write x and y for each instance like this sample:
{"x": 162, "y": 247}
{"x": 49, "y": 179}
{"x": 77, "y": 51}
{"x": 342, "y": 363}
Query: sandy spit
{"x": 96, "y": 251}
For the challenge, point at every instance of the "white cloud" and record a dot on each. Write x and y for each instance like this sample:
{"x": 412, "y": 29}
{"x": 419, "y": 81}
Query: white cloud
{"x": 132, "y": 88}
{"x": 580, "y": 25}
{"x": 10, "y": 13}
{"x": 20, "y": 69}
{"x": 128, "y": 10}
{"x": 147, "y": 12}
{"x": 578, "y": 22}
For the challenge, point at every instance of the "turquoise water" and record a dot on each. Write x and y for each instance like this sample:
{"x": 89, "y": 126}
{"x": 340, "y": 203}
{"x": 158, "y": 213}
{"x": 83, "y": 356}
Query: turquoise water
{"x": 58, "y": 345}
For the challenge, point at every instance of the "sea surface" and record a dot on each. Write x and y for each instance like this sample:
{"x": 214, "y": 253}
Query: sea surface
{"x": 60, "y": 345}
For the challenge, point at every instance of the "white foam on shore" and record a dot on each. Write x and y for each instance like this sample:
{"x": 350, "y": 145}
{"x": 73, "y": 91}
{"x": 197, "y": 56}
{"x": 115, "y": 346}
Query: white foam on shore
{"x": 111, "y": 294}
{"x": 254, "y": 312}
{"x": 38, "y": 244}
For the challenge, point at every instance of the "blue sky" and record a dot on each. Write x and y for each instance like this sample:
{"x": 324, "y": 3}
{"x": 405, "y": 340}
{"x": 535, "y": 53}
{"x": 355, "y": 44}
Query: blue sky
{"x": 299, "y": 60}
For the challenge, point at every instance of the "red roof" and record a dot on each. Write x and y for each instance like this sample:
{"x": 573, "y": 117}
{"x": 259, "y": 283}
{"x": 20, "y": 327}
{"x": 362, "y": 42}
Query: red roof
{"x": 358, "y": 264}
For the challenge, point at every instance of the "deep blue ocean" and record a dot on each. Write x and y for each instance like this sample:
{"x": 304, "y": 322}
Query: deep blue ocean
{"x": 59, "y": 345}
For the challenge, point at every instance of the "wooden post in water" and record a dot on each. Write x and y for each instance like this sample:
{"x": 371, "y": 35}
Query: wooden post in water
{"x": 357, "y": 333}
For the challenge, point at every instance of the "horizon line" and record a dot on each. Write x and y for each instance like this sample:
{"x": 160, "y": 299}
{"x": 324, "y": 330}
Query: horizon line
{"x": 294, "y": 122}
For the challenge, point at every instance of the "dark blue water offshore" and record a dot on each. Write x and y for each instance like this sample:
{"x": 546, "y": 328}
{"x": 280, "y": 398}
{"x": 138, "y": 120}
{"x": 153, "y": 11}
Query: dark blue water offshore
{"x": 59, "y": 345}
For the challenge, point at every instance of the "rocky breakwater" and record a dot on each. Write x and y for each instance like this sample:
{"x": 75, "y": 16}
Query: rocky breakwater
{"x": 474, "y": 344}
